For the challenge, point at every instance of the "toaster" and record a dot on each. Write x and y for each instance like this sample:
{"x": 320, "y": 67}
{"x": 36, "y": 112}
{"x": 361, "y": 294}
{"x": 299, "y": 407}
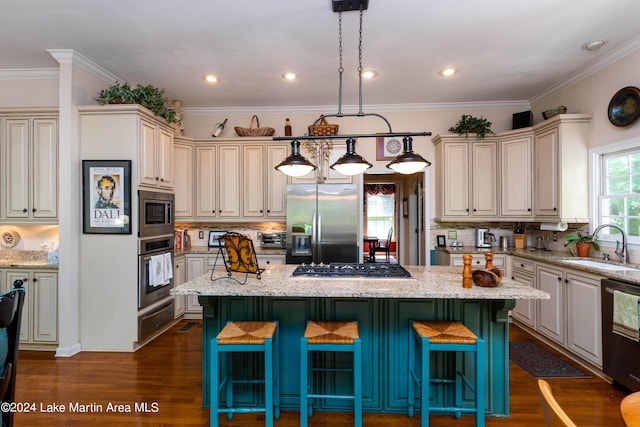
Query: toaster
{"x": 272, "y": 240}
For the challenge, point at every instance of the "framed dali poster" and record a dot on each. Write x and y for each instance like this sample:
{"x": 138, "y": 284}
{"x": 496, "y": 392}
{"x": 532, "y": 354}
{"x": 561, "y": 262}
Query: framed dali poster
{"x": 106, "y": 201}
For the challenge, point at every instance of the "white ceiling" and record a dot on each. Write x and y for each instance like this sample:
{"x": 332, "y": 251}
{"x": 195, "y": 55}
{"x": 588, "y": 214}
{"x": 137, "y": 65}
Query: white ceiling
{"x": 505, "y": 50}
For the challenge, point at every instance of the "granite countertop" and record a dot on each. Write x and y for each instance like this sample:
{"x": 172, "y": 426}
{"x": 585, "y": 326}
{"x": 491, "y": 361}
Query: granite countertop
{"x": 426, "y": 282}
{"x": 25, "y": 259}
{"x": 560, "y": 258}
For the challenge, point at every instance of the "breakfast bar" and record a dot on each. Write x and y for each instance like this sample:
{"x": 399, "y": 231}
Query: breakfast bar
{"x": 383, "y": 307}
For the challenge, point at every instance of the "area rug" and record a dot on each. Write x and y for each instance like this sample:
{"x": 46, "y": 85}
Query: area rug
{"x": 540, "y": 363}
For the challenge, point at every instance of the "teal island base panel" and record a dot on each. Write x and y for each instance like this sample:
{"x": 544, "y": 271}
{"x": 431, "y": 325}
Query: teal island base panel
{"x": 384, "y": 331}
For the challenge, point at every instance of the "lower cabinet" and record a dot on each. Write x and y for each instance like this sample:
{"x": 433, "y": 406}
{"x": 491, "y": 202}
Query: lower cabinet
{"x": 478, "y": 261}
{"x": 180, "y": 277}
{"x": 525, "y": 309}
{"x": 197, "y": 265}
{"x": 40, "y": 311}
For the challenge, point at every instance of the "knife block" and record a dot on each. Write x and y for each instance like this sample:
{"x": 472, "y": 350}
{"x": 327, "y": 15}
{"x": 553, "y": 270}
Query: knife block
{"x": 520, "y": 241}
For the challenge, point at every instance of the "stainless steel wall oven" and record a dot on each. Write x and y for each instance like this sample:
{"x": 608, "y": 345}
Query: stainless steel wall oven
{"x": 149, "y": 292}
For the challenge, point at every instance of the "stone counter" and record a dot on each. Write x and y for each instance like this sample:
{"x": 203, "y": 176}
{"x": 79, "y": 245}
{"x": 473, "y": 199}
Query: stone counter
{"x": 425, "y": 282}
{"x": 25, "y": 259}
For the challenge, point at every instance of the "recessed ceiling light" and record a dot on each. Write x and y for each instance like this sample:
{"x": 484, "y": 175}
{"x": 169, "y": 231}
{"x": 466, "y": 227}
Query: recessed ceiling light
{"x": 369, "y": 74}
{"x": 448, "y": 72}
{"x": 290, "y": 76}
{"x": 595, "y": 45}
{"x": 211, "y": 78}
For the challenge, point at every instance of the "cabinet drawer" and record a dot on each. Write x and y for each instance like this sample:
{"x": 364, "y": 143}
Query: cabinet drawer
{"x": 151, "y": 322}
{"x": 478, "y": 260}
{"x": 524, "y": 265}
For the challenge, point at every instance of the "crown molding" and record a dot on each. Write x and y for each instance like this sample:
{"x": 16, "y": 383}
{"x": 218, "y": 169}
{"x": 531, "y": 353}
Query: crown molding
{"x": 73, "y": 57}
{"x": 30, "y": 74}
{"x": 607, "y": 60}
{"x": 350, "y": 109}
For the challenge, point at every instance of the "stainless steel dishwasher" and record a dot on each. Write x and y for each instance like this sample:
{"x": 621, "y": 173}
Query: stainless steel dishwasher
{"x": 620, "y": 354}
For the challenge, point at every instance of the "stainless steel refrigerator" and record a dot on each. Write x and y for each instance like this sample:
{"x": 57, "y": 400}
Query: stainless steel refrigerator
{"x": 322, "y": 223}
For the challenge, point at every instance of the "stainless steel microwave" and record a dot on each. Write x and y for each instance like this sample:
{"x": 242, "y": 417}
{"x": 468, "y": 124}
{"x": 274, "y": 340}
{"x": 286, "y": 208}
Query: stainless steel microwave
{"x": 156, "y": 213}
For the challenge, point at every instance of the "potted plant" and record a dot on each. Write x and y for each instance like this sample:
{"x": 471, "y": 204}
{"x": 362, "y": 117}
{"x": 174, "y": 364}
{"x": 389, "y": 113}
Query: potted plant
{"x": 148, "y": 96}
{"x": 582, "y": 243}
{"x": 469, "y": 124}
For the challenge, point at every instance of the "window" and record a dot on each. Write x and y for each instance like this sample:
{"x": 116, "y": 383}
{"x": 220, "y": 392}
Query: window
{"x": 380, "y": 209}
{"x": 619, "y": 196}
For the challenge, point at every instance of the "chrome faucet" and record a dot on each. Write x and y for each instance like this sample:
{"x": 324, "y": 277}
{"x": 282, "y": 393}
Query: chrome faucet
{"x": 621, "y": 252}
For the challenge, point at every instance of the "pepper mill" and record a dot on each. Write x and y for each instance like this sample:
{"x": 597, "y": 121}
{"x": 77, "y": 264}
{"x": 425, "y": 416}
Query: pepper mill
{"x": 467, "y": 282}
{"x": 488, "y": 256}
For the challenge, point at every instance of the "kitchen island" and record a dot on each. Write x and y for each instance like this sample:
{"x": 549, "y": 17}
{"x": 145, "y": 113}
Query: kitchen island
{"x": 383, "y": 308}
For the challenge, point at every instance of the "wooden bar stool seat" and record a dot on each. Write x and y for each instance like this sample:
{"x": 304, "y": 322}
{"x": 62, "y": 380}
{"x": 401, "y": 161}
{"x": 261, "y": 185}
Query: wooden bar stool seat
{"x": 240, "y": 337}
{"x": 445, "y": 336}
{"x": 329, "y": 336}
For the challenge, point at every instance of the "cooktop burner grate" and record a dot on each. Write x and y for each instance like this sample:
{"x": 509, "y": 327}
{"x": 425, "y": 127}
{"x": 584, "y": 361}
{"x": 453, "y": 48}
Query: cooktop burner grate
{"x": 351, "y": 270}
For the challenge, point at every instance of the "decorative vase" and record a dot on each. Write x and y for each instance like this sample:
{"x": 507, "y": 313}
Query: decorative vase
{"x": 583, "y": 249}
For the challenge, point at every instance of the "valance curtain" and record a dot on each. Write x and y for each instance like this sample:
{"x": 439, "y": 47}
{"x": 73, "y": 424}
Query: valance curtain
{"x": 382, "y": 189}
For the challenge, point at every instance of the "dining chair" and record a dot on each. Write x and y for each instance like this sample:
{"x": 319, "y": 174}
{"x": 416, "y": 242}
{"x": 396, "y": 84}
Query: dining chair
{"x": 384, "y": 246}
{"x": 554, "y": 415}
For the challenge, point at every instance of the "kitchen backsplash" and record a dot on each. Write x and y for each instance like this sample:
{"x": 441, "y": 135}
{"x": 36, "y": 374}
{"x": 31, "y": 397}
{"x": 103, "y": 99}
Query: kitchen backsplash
{"x": 30, "y": 237}
{"x": 194, "y": 230}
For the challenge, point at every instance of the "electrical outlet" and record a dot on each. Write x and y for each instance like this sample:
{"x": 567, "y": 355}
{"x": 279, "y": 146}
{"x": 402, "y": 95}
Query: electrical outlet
{"x": 201, "y": 235}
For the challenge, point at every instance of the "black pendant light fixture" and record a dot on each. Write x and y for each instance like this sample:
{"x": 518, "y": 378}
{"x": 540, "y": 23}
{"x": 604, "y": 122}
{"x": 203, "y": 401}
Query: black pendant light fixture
{"x": 352, "y": 163}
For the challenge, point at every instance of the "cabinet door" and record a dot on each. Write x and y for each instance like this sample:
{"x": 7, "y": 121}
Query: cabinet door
{"x": 148, "y": 173}
{"x": 164, "y": 158}
{"x": 16, "y": 157}
{"x": 276, "y": 186}
{"x": 180, "y": 277}
{"x": 253, "y": 162}
{"x": 456, "y": 179}
{"x": 525, "y": 309}
{"x": 45, "y": 307}
{"x": 206, "y": 182}
{"x": 584, "y": 325}
{"x": 183, "y": 180}
{"x": 45, "y": 168}
{"x": 26, "y": 333}
{"x": 229, "y": 181}
{"x": 484, "y": 182}
{"x": 195, "y": 268}
{"x": 551, "y": 312}
{"x": 516, "y": 177}
{"x": 546, "y": 201}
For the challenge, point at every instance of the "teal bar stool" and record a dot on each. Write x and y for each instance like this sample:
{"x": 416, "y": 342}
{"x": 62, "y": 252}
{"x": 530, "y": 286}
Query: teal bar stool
{"x": 239, "y": 337}
{"x": 329, "y": 336}
{"x": 444, "y": 336}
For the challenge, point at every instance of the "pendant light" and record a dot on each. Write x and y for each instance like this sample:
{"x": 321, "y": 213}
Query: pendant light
{"x": 408, "y": 162}
{"x": 295, "y": 164}
{"x": 352, "y": 163}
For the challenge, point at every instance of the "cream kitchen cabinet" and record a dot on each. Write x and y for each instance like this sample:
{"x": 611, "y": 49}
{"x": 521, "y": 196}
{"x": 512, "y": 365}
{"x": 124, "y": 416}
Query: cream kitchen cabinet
{"x": 524, "y": 272}
{"x": 197, "y": 265}
{"x": 30, "y": 168}
{"x": 39, "y": 328}
{"x": 218, "y": 183}
{"x": 561, "y": 169}
{"x": 260, "y": 200}
{"x": 180, "y": 277}
{"x": 467, "y": 184}
{"x": 551, "y": 312}
{"x": 183, "y": 179}
{"x": 516, "y": 201}
{"x": 156, "y": 155}
{"x": 584, "y": 315}
{"x": 270, "y": 259}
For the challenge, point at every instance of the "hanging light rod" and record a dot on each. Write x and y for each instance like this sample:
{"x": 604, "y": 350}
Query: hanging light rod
{"x": 347, "y": 5}
{"x": 353, "y": 136}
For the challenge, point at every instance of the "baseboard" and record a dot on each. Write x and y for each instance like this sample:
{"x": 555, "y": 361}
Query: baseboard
{"x": 68, "y": 351}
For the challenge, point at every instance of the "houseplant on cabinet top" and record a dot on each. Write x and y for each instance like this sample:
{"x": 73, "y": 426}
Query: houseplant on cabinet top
{"x": 469, "y": 124}
{"x": 582, "y": 243}
{"x": 148, "y": 96}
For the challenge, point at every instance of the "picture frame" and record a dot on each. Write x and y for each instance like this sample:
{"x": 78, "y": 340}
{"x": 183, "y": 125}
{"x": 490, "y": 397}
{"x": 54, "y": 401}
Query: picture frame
{"x": 106, "y": 196}
{"x": 388, "y": 147}
{"x": 441, "y": 241}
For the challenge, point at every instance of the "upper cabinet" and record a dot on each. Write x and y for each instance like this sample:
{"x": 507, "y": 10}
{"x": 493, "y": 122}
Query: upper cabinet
{"x": 532, "y": 174}
{"x": 29, "y": 154}
{"x": 467, "y": 180}
{"x": 235, "y": 178}
{"x": 561, "y": 166}
{"x": 156, "y": 155}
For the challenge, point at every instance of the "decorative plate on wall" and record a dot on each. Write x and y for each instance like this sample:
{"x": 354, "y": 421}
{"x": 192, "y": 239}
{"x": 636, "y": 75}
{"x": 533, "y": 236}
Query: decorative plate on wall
{"x": 9, "y": 239}
{"x": 624, "y": 107}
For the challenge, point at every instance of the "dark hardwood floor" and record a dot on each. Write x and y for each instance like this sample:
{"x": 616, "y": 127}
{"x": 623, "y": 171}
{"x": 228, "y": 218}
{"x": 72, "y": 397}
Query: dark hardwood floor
{"x": 166, "y": 376}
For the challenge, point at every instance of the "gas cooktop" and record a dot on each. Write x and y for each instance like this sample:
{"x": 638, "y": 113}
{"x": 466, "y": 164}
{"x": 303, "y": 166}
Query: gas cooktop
{"x": 351, "y": 270}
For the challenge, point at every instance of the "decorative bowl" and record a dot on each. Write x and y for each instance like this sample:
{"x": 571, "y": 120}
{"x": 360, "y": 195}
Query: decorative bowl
{"x": 550, "y": 113}
{"x": 487, "y": 278}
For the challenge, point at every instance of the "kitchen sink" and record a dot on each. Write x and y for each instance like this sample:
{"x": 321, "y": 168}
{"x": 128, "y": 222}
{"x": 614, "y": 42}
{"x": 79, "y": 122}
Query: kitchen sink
{"x": 599, "y": 265}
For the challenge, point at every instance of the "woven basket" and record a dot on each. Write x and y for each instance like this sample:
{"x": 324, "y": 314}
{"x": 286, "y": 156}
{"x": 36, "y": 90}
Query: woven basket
{"x": 255, "y": 131}
{"x": 323, "y": 128}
